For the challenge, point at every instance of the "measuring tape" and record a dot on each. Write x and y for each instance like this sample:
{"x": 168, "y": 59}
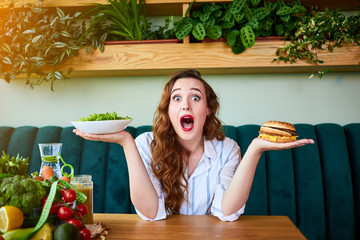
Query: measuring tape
{"x": 80, "y": 197}
{"x": 46, "y": 209}
{"x": 57, "y": 185}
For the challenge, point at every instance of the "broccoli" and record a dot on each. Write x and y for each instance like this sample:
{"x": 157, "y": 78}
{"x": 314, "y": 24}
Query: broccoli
{"x": 22, "y": 192}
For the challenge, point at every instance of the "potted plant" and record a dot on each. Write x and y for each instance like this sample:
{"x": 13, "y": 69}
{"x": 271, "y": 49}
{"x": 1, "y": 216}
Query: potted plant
{"x": 124, "y": 21}
{"x": 33, "y": 42}
{"x": 319, "y": 30}
{"x": 240, "y": 21}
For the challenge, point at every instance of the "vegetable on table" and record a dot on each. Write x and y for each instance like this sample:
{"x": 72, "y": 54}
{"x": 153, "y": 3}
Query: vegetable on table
{"x": 47, "y": 172}
{"x": 13, "y": 165}
{"x": 22, "y": 192}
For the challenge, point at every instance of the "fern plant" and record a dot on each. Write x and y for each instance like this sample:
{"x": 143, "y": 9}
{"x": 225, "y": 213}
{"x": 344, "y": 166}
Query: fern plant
{"x": 33, "y": 42}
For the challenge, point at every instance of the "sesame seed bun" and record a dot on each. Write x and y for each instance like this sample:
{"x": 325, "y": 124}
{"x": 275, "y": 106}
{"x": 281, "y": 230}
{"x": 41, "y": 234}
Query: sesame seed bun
{"x": 277, "y": 131}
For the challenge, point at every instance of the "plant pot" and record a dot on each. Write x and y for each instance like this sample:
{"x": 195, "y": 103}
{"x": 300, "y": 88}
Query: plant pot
{"x": 272, "y": 38}
{"x": 156, "y": 41}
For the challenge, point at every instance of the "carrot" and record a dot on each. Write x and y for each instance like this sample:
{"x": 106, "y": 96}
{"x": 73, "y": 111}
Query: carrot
{"x": 47, "y": 172}
{"x": 66, "y": 179}
{"x": 39, "y": 178}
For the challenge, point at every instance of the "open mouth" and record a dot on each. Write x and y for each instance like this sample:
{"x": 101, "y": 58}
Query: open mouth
{"x": 187, "y": 122}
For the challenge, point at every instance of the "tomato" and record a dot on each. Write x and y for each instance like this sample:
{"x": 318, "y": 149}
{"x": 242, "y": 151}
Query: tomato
{"x": 65, "y": 213}
{"x": 75, "y": 222}
{"x": 69, "y": 195}
{"x": 78, "y": 214}
{"x": 85, "y": 234}
{"x": 43, "y": 201}
{"x": 63, "y": 190}
{"x": 82, "y": 209}
{"x": 54, "y": 206}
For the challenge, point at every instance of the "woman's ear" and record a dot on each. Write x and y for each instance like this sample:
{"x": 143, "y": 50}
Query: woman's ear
{"x": 208, "y": 112}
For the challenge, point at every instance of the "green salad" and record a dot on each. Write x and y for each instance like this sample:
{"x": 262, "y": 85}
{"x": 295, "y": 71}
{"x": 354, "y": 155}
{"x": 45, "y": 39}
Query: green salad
{"x": 102, "y": 117}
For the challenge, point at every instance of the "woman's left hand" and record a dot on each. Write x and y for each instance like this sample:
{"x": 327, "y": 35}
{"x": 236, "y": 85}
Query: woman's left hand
{"x": 263, "y": 145}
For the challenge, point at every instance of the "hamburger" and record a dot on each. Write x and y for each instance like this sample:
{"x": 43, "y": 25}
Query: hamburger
{"x": 275, "y": 131}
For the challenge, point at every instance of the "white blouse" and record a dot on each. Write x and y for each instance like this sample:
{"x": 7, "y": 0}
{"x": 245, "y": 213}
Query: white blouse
{"x": 207, "y": 183}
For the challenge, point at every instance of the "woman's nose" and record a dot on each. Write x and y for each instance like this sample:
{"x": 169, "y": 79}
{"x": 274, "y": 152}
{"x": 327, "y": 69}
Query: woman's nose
{"x": 186, "y": 108}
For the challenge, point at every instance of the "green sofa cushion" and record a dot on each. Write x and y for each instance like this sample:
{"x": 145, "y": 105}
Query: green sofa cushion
{"x": 352, "y": 132}
{"x": 317, "y": 186}
{"x": 338, "y": 189}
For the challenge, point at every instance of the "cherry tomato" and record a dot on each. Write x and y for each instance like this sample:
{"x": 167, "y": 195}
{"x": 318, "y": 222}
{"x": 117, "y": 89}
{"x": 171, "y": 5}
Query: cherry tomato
{"x": 85, "y": 234}
{"x": 69, "y": 195}
{"x": 63, "y": 190}
{"x": 65, "y": 213}
{"x": 75, "y": 222}
{"x": 82, "y": 209}
{"x": 78, "y": 214}
{"x": 54, "y": 206}
{"x": 43, "y": 201}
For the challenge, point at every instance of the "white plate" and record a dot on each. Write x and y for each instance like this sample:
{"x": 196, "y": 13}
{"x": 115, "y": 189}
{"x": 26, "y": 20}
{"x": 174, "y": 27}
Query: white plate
{"x": 101, "y": 127}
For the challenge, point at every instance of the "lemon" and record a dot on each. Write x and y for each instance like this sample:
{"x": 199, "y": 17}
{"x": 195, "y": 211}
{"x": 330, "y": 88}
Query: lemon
{"x": 10, "y": 218}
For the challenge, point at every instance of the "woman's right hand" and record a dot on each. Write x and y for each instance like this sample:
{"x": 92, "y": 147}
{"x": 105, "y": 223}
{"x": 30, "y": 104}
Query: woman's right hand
{"x": 119, "y": 137}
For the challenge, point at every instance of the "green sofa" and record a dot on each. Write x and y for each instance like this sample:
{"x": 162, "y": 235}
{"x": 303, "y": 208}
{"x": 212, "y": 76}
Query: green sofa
{"x": 316, "y": 186}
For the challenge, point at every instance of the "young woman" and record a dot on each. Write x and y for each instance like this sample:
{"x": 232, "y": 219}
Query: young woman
{"x": 186, "y": 165}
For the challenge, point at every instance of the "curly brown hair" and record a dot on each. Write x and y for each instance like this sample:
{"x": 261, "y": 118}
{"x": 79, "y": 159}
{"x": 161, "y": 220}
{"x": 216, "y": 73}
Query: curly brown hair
{"x": 168, "y": 155}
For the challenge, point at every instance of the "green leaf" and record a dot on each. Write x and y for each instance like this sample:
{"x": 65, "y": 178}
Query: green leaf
{"x": 247, "y": 36}
{"x": 65, "y": 34}
{"x": 7, "y": 60}
{"x": 199, "y": 31}
{"x": 36, "y": 59}
{"x": 77, "y": 14}
{"x": 58, "y": 75}
{"x": 35, "y": 39}
{"x": 102, "y": 47}
{"x": 60, "y": 44}
{"x": 6, "y": 47}
{"x": 60, "y": 12}
{"x": 214, "y": 32}
{"x": 29, "y": 31}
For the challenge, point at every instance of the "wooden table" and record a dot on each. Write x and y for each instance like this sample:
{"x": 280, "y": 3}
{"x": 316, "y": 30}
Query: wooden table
{"x": 131, "y": 226}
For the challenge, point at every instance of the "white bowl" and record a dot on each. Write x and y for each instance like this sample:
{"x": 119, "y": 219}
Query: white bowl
{"x": 101, "y": 127}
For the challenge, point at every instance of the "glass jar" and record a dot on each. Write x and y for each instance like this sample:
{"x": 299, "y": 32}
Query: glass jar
{"x": 84, "y": 184}
{"x": 49, "y": 153}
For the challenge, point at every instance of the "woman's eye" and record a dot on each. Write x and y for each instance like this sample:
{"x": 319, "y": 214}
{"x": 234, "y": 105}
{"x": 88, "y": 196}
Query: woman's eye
{"x": 176, "y": 98}
{"x": 196, "y": 98}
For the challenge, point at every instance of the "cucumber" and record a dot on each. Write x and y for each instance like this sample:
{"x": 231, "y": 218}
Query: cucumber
{"x": 18, "y": 234}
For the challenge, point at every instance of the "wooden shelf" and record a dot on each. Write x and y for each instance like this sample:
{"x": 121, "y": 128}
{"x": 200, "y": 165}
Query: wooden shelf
{"x": 174, "y": 7}
{"x": 210, "y": 58}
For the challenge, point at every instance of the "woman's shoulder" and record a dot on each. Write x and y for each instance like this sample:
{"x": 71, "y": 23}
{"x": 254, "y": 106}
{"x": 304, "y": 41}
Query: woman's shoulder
{"x": 227, "y": 144}
{"x": 145, "y": 137}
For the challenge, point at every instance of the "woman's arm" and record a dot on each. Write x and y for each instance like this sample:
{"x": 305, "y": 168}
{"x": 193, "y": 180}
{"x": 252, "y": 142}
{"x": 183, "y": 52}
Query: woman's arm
{"x": 238, "y": 191}
{"x": 142, "y": 191}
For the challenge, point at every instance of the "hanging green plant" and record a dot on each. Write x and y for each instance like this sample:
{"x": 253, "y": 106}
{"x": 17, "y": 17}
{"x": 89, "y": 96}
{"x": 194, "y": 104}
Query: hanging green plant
{"x": 33, "y": 42}
{"x": 319, "y": 30}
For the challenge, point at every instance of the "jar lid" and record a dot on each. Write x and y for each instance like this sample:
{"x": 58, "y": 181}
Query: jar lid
{"x": 82, "y": 178}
